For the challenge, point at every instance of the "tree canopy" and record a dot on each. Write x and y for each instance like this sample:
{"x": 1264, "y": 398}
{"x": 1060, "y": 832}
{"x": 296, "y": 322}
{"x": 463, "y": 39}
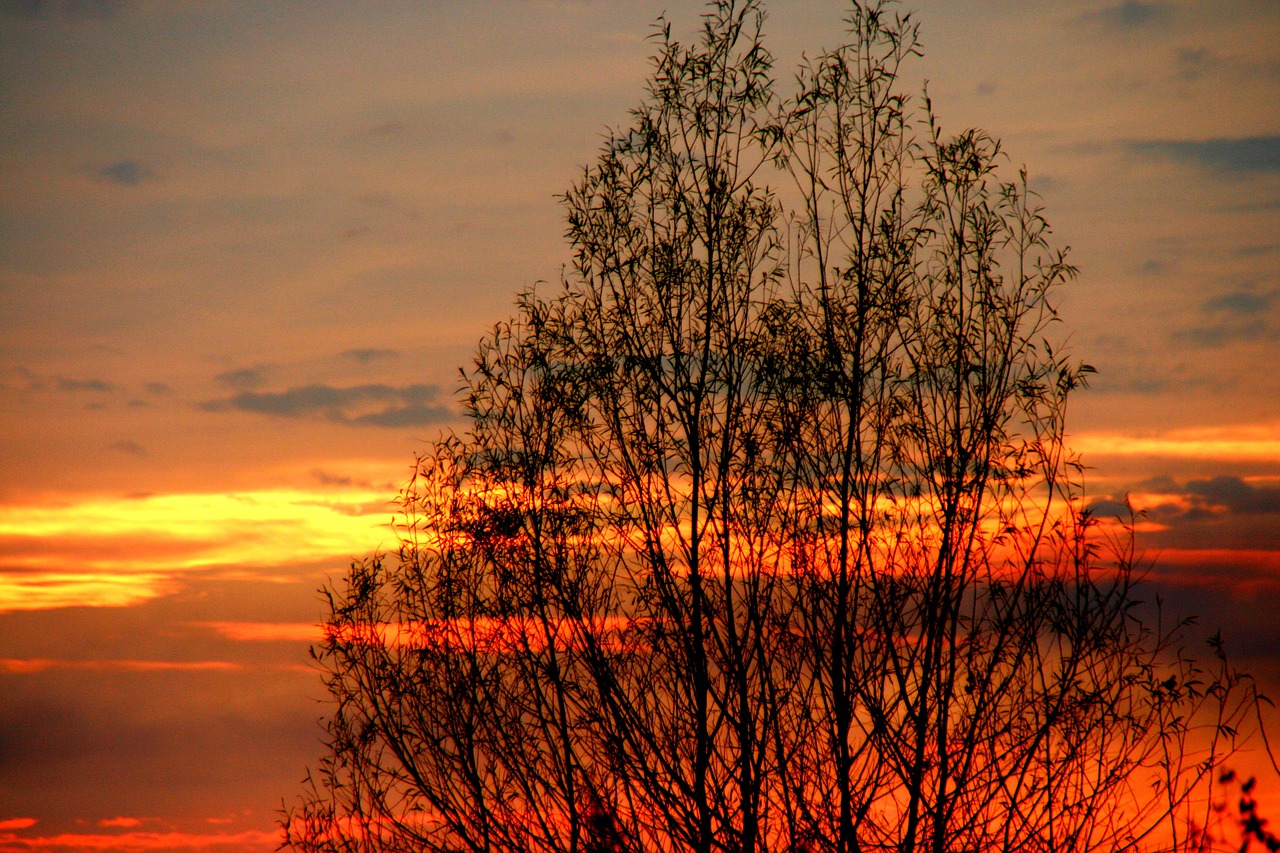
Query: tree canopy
{"x": 763, "y": 533}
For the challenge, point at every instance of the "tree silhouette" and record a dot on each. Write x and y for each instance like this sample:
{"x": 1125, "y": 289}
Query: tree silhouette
{"x": 763, "y": 534}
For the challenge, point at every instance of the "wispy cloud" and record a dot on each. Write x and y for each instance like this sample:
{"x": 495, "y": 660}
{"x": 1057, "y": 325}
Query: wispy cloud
{"x": 244, "y": 379}
{"x": 358, "y": 405}
{"x": 70, "y": 9}
{"x": 1233, "y": 155}
{"x": 368, "y": 355}
{"x": 132, "y": 448}
{"x": 73, "y": 385}
{"x": 128, "y": 173}
{"x": 1133, "y": 15}
{"x": 1238, "y": 316}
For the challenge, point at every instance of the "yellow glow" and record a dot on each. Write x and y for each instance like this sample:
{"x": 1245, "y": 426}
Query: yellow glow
{"x": 114, "y": 552}
{"x": 46, "y": 590}
{"x": 1259, "y": 442}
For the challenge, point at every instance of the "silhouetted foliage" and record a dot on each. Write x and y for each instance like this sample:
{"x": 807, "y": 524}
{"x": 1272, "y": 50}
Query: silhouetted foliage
{"x": 763, "y": 535}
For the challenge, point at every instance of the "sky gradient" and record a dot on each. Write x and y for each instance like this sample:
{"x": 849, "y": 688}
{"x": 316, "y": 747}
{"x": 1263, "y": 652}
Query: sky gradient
{"x": 245, "y": 246}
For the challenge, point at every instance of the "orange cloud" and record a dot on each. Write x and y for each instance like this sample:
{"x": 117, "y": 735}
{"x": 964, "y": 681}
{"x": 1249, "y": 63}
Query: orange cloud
{"x": 18, "y": 823}
{"x": 120, "y": 822}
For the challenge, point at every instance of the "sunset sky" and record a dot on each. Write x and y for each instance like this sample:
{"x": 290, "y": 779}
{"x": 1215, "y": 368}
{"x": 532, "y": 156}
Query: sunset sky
{"x": 245, "y": 246}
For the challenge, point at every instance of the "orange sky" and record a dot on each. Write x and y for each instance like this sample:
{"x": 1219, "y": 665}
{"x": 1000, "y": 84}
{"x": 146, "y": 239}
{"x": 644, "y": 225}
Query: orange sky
{"x": 245, "y": 246}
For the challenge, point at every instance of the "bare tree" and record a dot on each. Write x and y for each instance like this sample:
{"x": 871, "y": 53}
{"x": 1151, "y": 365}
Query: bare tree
{"x": 764, "y": 534}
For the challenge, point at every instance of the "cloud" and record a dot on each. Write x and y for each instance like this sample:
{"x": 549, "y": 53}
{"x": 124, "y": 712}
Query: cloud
{"x": 244, "y": 379}
{"x": 1241, "y": 302}
{"x": 72, "y": 385}
{"x": 1235, "y": 495}
{"x": 18, "y": 823}
{"x": 326, "y": 478}
{"x": 129, "y": 173}
{"x": 1232, "y": 155}
{"x": 130, "y": 447}
{"x": 68, "y": 9}
{"x": 367, "y": 355}
{"x": 1241, "y": 315}
{"x": 1133, "y": 15}
{"x": 1233, "y": 513}
{"x": 358, "y": 405}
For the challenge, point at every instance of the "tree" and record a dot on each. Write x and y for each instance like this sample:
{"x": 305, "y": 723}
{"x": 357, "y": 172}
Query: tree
{"x": 764, "y": 534}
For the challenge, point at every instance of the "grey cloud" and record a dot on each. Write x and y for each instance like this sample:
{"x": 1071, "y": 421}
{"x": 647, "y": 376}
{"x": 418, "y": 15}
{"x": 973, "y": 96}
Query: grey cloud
{"x": 72, "y": 385}
{"x": 158, "y": 388}
{"x": 366, "y": 355}
{"x": 1236, "y": 495}
{"x": 71, "y": 9}
{"x": 130, "y": 447}
{"x": 1208, "y": 497}
{"x": 409, "y": 405}
{"x": 405, "y": 416}
{"x": 245, "y": 379}
{"x": 1230, "y": 330}
{"x": 1134, "y": 14}
{"x": 1194, "y": 63}
{"x": 1241, "y": 302}
{"x": 387, "y": 128}
{"x": 1109, "y": 508}
{"x": 1236, "y": 155}
{"x": 130, "y": 173}
{"x": 326, "y": 478}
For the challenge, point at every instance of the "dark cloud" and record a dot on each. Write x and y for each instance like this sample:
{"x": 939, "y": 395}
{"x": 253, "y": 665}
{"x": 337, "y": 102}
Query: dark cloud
{"x": 130, "y": 173}
{"x": 158, "y": 388}
{"x": 404, "y": 416}
{"x": 130, "y": 447}
{"x": 387, "y": 128}
{"x": 1221, "y": 511}
{"x": 366, "y": 355}
{"x": 1238, "y": 155}
{"x": 1109, "y": 508}
{"x": 72, "y": 385}
{"x": 325, "y": 478}
{"x": 1230, "y": 330}
{"x": 1194, "y": 63}
{"x": 359, "y": 405}
{"x": 1241, "y": 302}
{"x": 72, "y": 9}
{"x": 1235, "y": 495}
{"x": 1239, "y": 316}
{"x": 1134, "y": 14}
{"x": 245, "y": 379}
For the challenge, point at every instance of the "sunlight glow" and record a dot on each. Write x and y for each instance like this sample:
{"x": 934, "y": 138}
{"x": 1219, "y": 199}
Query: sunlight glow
{"x": 1251, "y": 442}
{"x": 128, "y": 550}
